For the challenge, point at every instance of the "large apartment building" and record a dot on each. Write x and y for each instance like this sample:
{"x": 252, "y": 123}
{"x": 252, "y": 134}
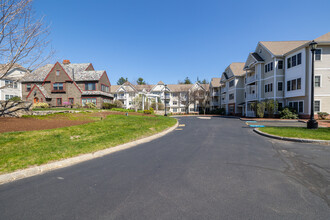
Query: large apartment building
{"x": 74, "y": 83}
{"x": 179, "y": 98}
{"x": 281, "y": 71}
{"x": 232, "y": 89}
{"x": 215, "y": 100}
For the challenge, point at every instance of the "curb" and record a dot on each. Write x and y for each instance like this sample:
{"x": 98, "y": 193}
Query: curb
{"x": 300, "y": 140}
{"x": 33, "y": 171}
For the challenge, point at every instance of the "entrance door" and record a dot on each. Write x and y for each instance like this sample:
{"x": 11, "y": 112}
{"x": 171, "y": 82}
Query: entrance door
{"x": 35, "y": 100}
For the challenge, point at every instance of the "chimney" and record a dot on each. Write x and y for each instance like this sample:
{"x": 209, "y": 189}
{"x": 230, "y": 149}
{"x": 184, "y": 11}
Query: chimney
{"x": 66, "y": 61}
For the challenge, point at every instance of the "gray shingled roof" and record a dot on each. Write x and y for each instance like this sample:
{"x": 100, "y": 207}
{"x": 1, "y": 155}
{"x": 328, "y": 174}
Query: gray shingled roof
{"x": 96, "y": 93}
{"x": 43, "y": 90}
{"x": 39, "y": 74}
{"x": 77, "y": 67}
{"x": 93, "y": 75}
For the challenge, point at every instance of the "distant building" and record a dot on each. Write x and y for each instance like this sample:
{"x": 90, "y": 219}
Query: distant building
{"x": 10, "y": 81}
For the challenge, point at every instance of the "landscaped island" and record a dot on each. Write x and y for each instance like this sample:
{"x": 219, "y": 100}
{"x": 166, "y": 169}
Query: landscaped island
{"x": 24, "y": 149}
{"x": 319, "y": 134}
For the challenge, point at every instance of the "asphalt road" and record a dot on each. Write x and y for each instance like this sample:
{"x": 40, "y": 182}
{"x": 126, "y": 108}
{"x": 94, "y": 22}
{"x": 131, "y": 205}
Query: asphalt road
{"x": 211, "y": 169}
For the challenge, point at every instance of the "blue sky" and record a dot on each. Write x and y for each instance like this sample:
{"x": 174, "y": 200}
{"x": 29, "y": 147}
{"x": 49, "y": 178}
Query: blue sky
{"x": 170, "y": 39}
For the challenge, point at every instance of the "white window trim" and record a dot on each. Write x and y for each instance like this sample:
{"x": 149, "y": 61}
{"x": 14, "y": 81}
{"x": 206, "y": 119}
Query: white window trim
{"x": 320, "y": 105}
{"x": 321, "y": 55}
{"x": 298, "y": 104}
{"x": 320, "y": 75}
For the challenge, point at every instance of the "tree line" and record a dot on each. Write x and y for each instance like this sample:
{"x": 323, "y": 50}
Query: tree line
{"x": 141, "y": 81}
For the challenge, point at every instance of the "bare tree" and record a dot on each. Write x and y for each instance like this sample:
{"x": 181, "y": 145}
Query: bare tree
{"x": 23, "y": 37}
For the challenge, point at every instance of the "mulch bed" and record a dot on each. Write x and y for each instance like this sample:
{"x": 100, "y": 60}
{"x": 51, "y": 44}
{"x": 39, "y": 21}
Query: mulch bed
{"x": 33, "y": 124}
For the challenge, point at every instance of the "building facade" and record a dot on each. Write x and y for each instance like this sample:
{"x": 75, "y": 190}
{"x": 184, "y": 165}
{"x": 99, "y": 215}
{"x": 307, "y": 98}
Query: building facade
{"x": 67, "y": 83}
{"x": 179, "y": 98}
{"x": 10, "y": 81}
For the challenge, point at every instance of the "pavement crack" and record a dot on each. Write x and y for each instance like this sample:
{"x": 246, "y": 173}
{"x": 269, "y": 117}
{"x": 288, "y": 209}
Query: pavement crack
{"x": 310, "y": 175}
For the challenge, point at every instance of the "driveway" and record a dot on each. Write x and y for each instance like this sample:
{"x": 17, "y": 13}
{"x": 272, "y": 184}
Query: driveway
{"x": 213, "y": 168}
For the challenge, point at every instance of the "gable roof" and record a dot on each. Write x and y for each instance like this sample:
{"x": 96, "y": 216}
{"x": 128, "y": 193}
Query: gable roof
{"x": 215, "y": 82}
{"x": 93, "y": 75}
{"x": 43, "y": 90}
{"x": 257, "y": 57}
{"x": 113, "y": 88}
{"x": 4, "y": 68}
{"x": 323, "y": 38}
{"x": 237, "y": 68}
{"x": 39, "y": 74}
{"x": 279, "y": 48}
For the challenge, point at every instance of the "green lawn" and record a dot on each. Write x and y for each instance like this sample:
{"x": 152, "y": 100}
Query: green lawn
{"x": 24, "y": 149}
{"x": 319, "y": 134}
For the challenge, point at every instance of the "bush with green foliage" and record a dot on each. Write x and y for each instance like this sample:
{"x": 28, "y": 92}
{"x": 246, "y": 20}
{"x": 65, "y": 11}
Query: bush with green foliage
{"x": 147, "y": 112}
{"x": 322, "y": 115}
{"x": 40, "y": 105}
{"x": 15, "y": 99}
{"x": 108, "y": 106}
{"x": 118, "y": 104}
{"x": 90, "y": 105}
{"x": 288, "y": 113}
{"x": 261, "y": 109}
{"x": 122, "y": 110}
{"x": 152, "y": 110}
{"x": 161, "y": 106}
{"x": 219, "y": 111}
{"x": 271, "y": 107}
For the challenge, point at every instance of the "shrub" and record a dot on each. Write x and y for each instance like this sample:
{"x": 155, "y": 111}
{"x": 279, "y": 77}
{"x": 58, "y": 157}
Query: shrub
{"x": 118, "y": 104}
{"x": 40, "y": 105}
{"x": 161, "y": 106}
{"x": 15, "y": 99}
{"x": 152, "y": 110}
{"x": 219, "y": 111}
{"x": 322, "y": 115}
{"x": 286, "y": 113}
{"x": 90, "y": 105}
{"x": 108, "y": 105}
{"x": 122, "y": 110}
{"x": 271, "y": 107}
{"x": 146, "y": 112}
{"x": 261, "y": 109}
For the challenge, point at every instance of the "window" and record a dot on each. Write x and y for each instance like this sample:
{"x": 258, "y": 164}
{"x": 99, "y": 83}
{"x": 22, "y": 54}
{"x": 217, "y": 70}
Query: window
{"x": 280, "y": 64}
{"x": 15, "y": 85}
{"x": 279, "y": 86}
{"x": 299, "y": 59}
{"x": 298, "y": 83}
{"x": 7, "y": 97}
{"x": 57, "y": 72}
{"x": 269, "y": 67}
{"x": 231, "y": 83}
{"x": 59, "y": 101}
{"x": 58, "y": 86}
{"x": 289, "y": 62}
{"x": 317, "y": 106}
{"x": 231, "y": 96}
{"x": 288, "y": 85}
{"x": 294, "y": 61}
{"x": 88, "y": 100}
{"x": 183, "y": 109}
{"x": 90, "y": 86}
{"x": 318, "y": 54}
{"x": 301, "y": 106}
{"x": 8, "y": 83}
{"x": 28, "y": 87}
{"x": 269, "y": 87}
{"x": 280, "y": 106}
{"x": 175, "y": 94}
{"x": 175, "y": 110}
{"x": 294, "y": 84}
{"x": 298, "y": 106}
{"x": 71, "y": 100}
{"x": 175, "y": 103}
{"x": 104, "y": 88}
{"x": 266, "y": 88}
{"x": 317, "y": 81}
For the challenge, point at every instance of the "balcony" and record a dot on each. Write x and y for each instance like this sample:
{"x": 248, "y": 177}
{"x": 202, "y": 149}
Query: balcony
{"x": 224, "y": 90}
{"x": 251, "y": 96}
{"x": 215, "y": 103}
{"x": 251, "y": 79}
{"x": 215, "y": 93}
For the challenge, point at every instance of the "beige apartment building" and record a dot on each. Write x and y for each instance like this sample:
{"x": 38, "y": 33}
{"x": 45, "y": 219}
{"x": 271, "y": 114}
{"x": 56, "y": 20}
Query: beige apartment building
{"x": 282, "y": 70}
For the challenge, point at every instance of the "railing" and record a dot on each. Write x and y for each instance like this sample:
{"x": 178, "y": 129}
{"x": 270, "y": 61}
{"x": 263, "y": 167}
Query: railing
{"x": 250, "y": 114}
{"x": 251, "y": 79}
{"x": 251, "y": 96}
{"x": 215, "y": 103}
{"x": 215, "y": 93}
